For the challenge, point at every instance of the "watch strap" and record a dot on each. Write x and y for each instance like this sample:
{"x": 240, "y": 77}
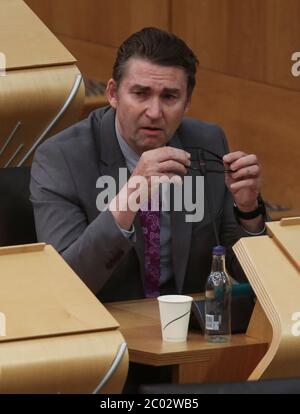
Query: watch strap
{"x": 249, "y": 215}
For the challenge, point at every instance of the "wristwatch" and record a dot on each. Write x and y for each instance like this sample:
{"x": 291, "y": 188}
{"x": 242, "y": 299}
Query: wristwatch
{"x": 249, "y": 215}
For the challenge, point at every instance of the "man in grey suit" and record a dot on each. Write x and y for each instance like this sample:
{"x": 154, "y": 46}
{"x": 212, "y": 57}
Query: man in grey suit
{"x": 143, "y": 131}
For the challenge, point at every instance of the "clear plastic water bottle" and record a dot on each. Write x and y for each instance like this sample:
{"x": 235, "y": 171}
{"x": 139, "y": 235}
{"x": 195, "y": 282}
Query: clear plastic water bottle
{"x": 218, "y": 300}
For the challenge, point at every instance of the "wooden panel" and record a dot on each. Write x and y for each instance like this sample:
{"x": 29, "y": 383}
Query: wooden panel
{"x": 101, "y": 21}
{"x": 93, "y": 60}
{"x": 219, "y": 366}
{"x": 258, "y": 119}
{"x": 67, "y": 364}
{"x": 252, "y": 39}
{"x": 282, "y": 40}
{"x": 43, "y": 10}
{"x": 22, "y": 98}
{"x": 42, "y": 296}
{"x": 287, "y": 235}
{"x": 58, "y": 338}
{"x": 276, "y": 283}
{"x": 25, "y": 40}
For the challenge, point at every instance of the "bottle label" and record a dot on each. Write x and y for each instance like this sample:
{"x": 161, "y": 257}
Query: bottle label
{"x": 211, "y": 324}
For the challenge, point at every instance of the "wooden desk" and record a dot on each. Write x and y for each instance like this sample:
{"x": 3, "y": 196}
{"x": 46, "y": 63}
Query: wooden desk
{"x": 192, "y": 361}
{"x": 277, "y": 215}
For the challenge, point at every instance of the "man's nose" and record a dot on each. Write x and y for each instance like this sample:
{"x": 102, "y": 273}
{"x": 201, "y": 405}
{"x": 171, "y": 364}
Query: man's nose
{"x": 154, "y": 108}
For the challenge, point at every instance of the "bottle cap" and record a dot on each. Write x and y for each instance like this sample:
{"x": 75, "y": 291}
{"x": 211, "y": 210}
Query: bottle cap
{"x": 218, "y": 250}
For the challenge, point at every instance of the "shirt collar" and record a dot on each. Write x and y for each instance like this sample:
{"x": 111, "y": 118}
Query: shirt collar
{"x": 131, "y": 157}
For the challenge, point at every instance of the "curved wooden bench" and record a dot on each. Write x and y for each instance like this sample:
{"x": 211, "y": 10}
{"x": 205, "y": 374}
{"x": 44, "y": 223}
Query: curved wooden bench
{"x": 41, "y": 91}
{"x": 57, "y": 337}
{"x": 272, "y": 265}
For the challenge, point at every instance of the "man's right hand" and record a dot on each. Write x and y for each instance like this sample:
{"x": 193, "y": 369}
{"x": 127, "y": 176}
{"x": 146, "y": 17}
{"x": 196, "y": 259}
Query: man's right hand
{"x": 165, "y": 161}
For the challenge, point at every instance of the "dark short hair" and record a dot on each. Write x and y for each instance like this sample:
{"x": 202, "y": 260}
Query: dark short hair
{"x": 159, "y": 47}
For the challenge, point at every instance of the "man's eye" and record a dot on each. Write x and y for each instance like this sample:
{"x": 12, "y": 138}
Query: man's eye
{"x": 169, "y": 97}
{"x": 140, "y": 93}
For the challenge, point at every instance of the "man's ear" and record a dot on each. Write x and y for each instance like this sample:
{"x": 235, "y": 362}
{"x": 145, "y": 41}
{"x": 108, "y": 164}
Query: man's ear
{"x": 111, "y": 93}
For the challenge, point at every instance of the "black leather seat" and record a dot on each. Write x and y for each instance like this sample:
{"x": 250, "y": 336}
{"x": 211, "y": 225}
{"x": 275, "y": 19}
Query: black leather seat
{"x": 16, "y": 213}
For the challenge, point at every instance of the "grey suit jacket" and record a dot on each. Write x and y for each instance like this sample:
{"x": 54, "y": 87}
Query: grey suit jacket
{"x": 63, "y": 192}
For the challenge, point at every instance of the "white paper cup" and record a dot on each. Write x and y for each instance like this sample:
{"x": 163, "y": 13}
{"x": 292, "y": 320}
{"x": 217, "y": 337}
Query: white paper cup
{"x": 174, "y": 316}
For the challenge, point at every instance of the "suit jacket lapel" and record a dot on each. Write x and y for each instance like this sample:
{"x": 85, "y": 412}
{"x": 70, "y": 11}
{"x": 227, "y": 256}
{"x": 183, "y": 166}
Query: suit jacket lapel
{"x": 181, "y": 235}
{"x": 111, "y": 160}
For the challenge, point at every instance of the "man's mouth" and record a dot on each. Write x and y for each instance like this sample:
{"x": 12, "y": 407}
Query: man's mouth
{"x": 151, "y": 130}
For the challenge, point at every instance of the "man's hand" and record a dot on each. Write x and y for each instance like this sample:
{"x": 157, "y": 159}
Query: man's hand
{"x": 245, "y": 182}
{"x": 165, "y": 161}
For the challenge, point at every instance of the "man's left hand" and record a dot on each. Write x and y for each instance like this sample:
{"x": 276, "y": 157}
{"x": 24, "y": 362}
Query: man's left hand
{"x": 245, "y": 181}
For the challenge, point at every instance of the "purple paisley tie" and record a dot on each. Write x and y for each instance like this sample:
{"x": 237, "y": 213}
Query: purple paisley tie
{"x": 151, "y": 229}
